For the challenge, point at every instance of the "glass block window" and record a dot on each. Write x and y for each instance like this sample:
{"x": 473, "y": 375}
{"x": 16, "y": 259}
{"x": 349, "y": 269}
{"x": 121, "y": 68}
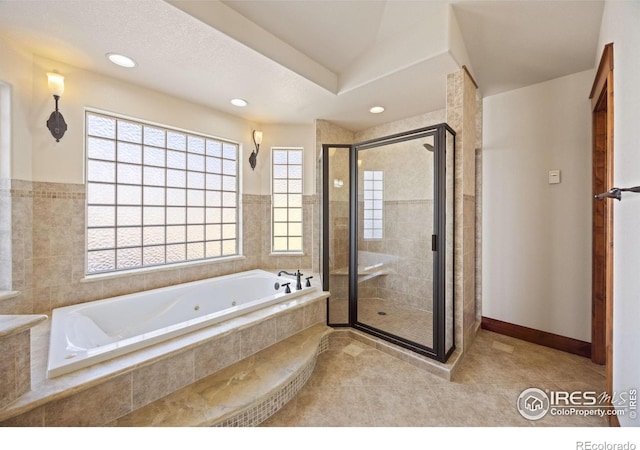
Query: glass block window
{"x": 157, "y": 195}
{"x": 373, "y": 204}
{"x": 286, "y": 200}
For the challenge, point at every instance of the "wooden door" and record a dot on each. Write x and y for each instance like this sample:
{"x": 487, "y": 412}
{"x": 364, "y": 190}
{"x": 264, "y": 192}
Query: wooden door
{"x": 602, "y": 290}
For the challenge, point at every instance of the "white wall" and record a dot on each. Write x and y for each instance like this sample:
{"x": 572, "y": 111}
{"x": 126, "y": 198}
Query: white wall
{"x": 620, "y": 25}
{"x": 63, "y": 161}
{"x": 537, "y": 237}
{"x": 37, "y": 156}
{"x": 275, "y": 135}
{"x": 15, "y": 71}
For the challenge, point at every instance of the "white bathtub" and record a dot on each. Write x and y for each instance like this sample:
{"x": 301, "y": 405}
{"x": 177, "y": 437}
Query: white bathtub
{"x": 88, "y": 333}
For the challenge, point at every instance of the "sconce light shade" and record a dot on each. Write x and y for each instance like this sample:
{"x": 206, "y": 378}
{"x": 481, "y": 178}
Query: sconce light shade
{"x": 56, "y": 124}
{"x": 257, "y": 137}
{"x": 56, "y": 83}
{"x": 257, "y": 140}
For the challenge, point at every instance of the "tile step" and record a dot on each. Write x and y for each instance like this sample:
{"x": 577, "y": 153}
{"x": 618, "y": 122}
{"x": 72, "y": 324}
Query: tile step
{"x": 243, "y": 394}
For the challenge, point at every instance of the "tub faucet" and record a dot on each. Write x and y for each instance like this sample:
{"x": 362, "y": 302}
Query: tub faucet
{"x": 298, "y": 276}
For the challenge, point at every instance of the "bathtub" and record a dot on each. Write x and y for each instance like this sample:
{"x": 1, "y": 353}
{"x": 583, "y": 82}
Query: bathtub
{"x": 89, "y": 333}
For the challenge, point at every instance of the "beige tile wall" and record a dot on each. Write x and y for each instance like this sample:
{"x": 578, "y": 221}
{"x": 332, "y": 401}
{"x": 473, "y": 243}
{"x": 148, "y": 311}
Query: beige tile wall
{"x": 329, "y": 133}
{"x": 407, "y": 234}
{"x": 464, "y": 115}
{"x": 462, "y": 110}
{"x": 5, "y": 235}
{"x": 48, "y": 249}
{"x": 15, "y": 371}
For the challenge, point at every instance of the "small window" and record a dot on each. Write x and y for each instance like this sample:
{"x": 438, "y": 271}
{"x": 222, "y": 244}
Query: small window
{"x": 286, "y": 200}
{"x": 157, "y": 195}
{"x": 373, "y": 204}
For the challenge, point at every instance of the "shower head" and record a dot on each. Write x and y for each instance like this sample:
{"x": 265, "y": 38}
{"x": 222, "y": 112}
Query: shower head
{"x": 429, "y": 147}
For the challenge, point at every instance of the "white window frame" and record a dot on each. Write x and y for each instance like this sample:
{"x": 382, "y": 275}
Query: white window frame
{"x": 294, "y": 203}
{"x": 373, "y": 217}
{"x": 6, "y": 271}
{"x": 211, "y": 220}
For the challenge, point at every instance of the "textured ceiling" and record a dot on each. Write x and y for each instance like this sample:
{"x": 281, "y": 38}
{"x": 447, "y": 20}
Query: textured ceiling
{"x": 516, "y": 44}
{"x": 295, "y": 61}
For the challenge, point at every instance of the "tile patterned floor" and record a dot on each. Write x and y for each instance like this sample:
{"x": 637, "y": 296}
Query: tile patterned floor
{"x": 356, "y": 385}
{"x": 402, "y": 320}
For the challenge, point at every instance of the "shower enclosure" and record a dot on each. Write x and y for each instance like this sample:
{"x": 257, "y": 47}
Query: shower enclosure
{"x": 387, "y": 234}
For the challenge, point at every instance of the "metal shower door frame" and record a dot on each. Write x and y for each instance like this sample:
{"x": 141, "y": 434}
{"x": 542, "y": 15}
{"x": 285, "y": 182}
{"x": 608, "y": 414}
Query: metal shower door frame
{"x": 438, "y": 351}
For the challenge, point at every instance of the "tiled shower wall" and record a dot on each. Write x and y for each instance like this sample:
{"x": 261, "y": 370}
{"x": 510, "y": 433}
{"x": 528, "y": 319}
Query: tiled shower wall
{"x": 407, "y": 234}
{"x": 408, "y": 215}
{"x": 408, "y": 227}
{"x": 329, "y": 133}
{"x": 47, "y": 239}
{"x": 464, "y": 115}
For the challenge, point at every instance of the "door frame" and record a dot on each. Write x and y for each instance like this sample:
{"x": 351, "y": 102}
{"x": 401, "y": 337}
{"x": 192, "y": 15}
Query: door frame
{"x": 602, "y": 214}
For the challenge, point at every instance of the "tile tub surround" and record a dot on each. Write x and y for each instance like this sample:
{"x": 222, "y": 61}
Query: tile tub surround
{"x": 15, "y": 356}
{"x": 102, "y": 393}
{"x": 243, "y": 394}
{"x": 46, "y": 241}
{"x": 5, "y": 235}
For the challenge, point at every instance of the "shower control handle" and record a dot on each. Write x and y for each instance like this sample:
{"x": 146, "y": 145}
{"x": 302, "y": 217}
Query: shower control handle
{"x": 308, "y": 284}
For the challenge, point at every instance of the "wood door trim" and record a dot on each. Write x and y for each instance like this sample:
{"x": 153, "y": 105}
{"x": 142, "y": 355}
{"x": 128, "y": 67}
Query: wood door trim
{"x": 604, "y": 68}
{"x": 551, "y": 340}
{"x": 602, "y": 113}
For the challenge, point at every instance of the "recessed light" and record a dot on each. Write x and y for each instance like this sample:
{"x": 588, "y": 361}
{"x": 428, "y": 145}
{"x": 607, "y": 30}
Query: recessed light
{"x": 121, "y": 60}
{"x": 239, "y": 102}
{"x": 376, "y": 110}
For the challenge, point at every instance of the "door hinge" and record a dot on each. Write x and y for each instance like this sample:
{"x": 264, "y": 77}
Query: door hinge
{"x": 434, "y": 243}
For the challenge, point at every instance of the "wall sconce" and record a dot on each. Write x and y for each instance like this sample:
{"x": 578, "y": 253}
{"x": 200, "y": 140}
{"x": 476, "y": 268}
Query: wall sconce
{"x": 56, "y": 123}
{"x": 257, "y": 140}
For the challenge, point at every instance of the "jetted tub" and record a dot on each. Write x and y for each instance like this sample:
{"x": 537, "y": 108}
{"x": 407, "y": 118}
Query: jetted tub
{"x": 89, "y": 333}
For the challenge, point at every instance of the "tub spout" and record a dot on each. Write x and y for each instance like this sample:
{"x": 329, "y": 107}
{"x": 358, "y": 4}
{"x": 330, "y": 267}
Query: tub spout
{"x": 298, "y": 276}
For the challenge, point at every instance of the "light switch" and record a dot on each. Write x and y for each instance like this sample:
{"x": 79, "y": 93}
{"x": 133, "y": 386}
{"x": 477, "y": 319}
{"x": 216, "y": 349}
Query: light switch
{"x": 554, "y": 176}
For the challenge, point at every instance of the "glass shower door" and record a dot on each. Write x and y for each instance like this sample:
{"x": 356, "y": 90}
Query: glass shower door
{"x": 395, "y": 229}
{"x": 335, "y": 230}
{"x": 387, "y": 238}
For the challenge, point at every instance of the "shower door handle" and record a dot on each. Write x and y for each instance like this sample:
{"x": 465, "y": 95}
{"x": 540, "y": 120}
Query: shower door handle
{"x": 434, "y": 243}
